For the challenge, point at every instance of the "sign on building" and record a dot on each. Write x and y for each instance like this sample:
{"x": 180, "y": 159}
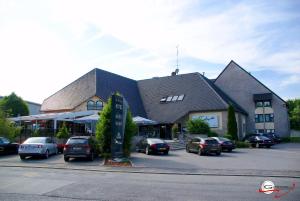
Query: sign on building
{"x": 211, "y": 120}
{"x": 119, "y": 113}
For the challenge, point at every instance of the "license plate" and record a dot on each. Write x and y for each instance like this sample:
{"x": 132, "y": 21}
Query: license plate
{"x": 77, "y": 148}
{"x": 162, "y": 149}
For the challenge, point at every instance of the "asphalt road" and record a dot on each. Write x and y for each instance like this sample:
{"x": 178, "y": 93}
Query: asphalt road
{"x": 49, "y": 184}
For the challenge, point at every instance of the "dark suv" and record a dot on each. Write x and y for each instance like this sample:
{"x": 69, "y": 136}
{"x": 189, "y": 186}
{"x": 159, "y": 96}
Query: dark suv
{"x": 80, "y": 147}
{"x": 203, "y": 146}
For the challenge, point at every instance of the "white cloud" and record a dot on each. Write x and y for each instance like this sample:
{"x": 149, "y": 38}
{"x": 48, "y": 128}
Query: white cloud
{"x": 294, "y": 79}
{"x": 47, "y": 42}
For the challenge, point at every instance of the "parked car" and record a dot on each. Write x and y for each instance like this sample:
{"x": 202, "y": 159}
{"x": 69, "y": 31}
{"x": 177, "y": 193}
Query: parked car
{"x": 37, "y": 146}
{"x": 203, "y": 146}
{"x": 274, "y": 137}
{"x": 7, "y": 147}
{"x": 260, "y": 141}
{"x": 226, "y": 144}
{"x": 152, "y": 146}
{"x": 251, "y": 135}
{"x": 80, "y": 147}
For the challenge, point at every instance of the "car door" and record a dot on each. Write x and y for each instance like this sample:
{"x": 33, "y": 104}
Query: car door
{"x": 195, "y": 144}
{"x": 49, "y": 145}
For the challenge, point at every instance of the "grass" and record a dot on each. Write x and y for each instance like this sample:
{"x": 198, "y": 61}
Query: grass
{"x": 240, "y": 144}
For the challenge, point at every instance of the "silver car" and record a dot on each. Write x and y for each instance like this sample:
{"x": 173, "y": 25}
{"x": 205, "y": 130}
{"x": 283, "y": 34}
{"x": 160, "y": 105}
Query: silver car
{"x": 37, "y": 146}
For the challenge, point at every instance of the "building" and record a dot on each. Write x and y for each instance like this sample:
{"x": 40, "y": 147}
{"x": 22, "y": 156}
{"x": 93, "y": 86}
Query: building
{"x": 175, "y": 99}
{"x": 34, "y": 108}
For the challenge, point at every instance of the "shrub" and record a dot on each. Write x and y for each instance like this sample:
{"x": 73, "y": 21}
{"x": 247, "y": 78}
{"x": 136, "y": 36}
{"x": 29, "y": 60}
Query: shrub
{"x": 175, "y": 131}
{"x": 197, "y": 126}
{"x": 63, "y": 132}
{"x": 240, "y": 144}
{"x": 36, "y": 133}
{"x": 130, "y": 130}
{"x": 228, "y": 136}
{"x": 212, "y": 134}
{"x": 8, "y": 129}
{"x": 291, "y": 139}
{"x": 231, "y": 123}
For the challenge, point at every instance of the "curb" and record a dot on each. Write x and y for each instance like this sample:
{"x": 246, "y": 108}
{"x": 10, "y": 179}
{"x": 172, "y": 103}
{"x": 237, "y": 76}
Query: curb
{"x": 154, "y": 172}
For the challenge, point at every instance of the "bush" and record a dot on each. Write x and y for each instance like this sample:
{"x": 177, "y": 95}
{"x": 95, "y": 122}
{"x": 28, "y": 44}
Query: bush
{"x": 130, "y": 130}
{"x": 197, "y": 126}
{"x": 36, "y": 133}
{"x": 175, "y": 131}
{"x": 228, "y": 136}
{"x": 291, "y": 139}
{"x": 240, "y": 144}
{"x": 63, "y": 132}
{"x": 212, "y": 134}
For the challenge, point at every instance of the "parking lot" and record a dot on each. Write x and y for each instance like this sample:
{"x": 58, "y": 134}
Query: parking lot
{"x": 281, "y": 157}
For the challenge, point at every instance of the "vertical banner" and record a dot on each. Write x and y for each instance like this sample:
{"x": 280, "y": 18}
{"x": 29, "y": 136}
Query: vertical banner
{"x": 119, "y": 113}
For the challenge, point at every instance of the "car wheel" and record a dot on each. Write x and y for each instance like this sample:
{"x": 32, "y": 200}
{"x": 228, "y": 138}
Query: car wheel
{"x": 229, "y": 150}
{"x": 187, "y": 149}
{"x": 22, "y": 157}
{"x": 66, "y": 159}
{"x": 46, "y": 154}
{"x": 166, "y": 152}
{"x": 268, "y": 146}
{"x": 218, "y": 153}
{"x": 147, "y": 151}
{"x": 91, "y": 158}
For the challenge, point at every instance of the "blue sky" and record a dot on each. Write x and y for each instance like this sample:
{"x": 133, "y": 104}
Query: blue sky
{"x": 45, "y": 45}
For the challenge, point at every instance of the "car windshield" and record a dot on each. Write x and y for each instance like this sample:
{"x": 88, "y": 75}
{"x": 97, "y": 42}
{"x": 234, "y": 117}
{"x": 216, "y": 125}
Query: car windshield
{"x": 77, "y": 141}
{"x": 223, "y": 139}
{"x": 155, "y": 141}
{"x": 262, "y": 138}
{"x": 211, "y": 141}
{"x": 35, "y": 140}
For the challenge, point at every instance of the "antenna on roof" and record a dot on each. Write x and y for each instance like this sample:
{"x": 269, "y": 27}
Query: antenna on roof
{"x": 177, "y": 65}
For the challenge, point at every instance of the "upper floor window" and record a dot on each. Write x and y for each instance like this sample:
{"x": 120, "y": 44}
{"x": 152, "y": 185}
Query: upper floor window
{"x": 263, "y": 104}
{"x": 259, "y": 118}
{"x": 99, "y": 105}
{"x": 92, "y": 105}
{"x": 269, "y": 117}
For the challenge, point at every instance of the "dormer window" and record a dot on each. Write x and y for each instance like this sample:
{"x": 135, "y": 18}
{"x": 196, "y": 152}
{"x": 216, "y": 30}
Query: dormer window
{"x": 92, "y": 105}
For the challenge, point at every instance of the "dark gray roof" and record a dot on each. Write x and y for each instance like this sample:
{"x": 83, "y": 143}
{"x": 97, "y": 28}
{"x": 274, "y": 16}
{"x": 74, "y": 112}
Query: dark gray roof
{"x": 107, "y": 83}
{"x": 262, "y": 97}
{"x": 96, "y": 83}
{"x": 226, "y": 97}
{"x": 199, "y": 96}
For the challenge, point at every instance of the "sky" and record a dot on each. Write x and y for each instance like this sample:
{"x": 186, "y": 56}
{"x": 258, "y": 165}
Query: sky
{"x": 46, "y": 45}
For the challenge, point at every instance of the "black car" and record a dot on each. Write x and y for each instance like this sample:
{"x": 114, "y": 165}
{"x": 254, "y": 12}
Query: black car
{"x": 80, "y": 147}
{"x": 260, "y": 141}
{"x": 251, "y": 135}
{"x": 273, "y": 137}
{"x": 226, "y": 144}
{"x": 7, "y": 147}
{"x": 203, "y": 146}
{"x": 152, "y": 146}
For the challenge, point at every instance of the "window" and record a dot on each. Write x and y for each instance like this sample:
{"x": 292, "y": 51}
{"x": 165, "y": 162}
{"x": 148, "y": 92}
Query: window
{"x": 163, "y": 100}
{"x": 259, "y": 104}
{"x": 169, "y": 98}
{"x": 259, "y": 131}
{"x": 269, "y": 117}
{"x": 174, "y": 98}
{"x": 99, "y": 105}
{"x": 180, "y": 98}
{"x": 259, "y": 118}
{"x": 267, "y": 103}
{"x": 270, "y": 131}
{"x": 90, "y": 105}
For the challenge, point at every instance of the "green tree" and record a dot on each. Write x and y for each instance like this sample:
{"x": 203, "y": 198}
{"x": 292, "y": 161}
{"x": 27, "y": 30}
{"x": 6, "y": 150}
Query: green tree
{"x": 294, "y": 113}
{"x": 14, "y": 106}
{"x": 130, "y": 130}
{"x": 231, "y": 123}
{"x": 63, "y": 132}
{"x": 197, "y": 126}
{"x": 8, "y": 128}
{"x": 104, "y": 129}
